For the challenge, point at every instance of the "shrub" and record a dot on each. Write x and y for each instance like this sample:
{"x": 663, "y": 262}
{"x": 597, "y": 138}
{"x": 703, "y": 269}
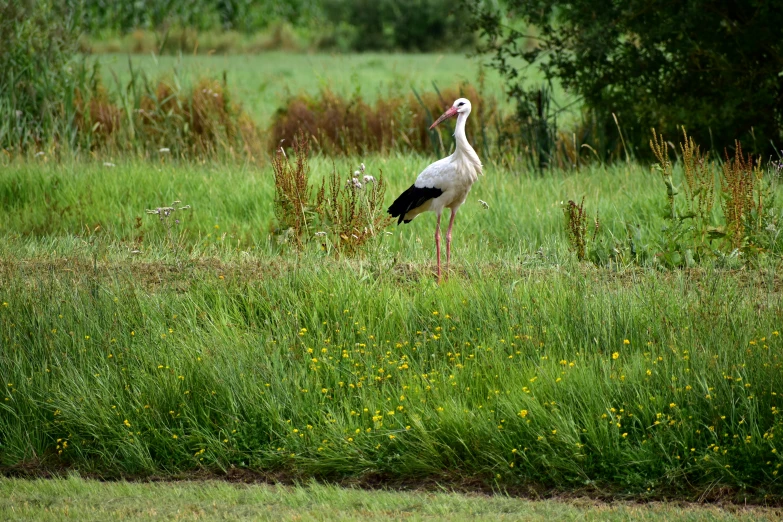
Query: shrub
{"x": 709, "y": 66}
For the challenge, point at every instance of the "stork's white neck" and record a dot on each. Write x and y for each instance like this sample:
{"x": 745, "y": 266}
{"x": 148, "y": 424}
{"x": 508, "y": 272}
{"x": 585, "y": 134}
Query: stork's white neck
{"x": 459, "y": 131}
{"x": 463, "y": 148}
{"x": 464, "y": 152}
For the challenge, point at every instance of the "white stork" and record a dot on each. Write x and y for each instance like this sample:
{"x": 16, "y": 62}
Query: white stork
{"x": 445, "y": 183}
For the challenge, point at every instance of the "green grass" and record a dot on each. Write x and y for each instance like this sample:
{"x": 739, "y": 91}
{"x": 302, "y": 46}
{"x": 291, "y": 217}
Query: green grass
{"x": 263, "y": 81}
{"x": 78, "y": 499}
{"x": 58, "y": 202}
{"x": 526, "y": 369}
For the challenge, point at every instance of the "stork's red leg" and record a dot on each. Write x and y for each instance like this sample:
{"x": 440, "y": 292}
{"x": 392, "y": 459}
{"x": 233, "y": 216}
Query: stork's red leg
{"x": 448, "y": 241}
{"x": 437, "y": 244}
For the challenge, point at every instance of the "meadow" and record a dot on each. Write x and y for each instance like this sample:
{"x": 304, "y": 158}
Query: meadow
{"x": 206, "y": 343}
{"x": 125, "y": 355}
{"x": 262, "y": 82}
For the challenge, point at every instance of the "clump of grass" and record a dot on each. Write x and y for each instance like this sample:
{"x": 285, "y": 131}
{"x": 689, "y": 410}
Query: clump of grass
{"x": 342, "y": 214}
{"x": 580, "y": 241}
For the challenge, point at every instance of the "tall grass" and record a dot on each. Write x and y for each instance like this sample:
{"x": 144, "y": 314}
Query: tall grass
{"x": 38, "y": 40}
{"x": 667, "y": 386}
{"x": 350, "y": 126}
{"x": 526, "y": 368}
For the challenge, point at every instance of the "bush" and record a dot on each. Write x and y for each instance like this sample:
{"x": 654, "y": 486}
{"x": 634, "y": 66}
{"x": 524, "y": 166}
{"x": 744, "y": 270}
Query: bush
{"x": 713, "y": 68}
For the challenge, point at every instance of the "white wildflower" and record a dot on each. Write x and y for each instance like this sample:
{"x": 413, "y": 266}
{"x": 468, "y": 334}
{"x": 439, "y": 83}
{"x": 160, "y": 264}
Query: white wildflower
{"x": 164, "y": 150}
{"x": 108, "y": 164}
{"x": 361, "y": 167}
{"x": 484, "y": 203}
{"x": 320, "y": 234}
{"x": 369, "y": 179}
{"x": 38, "y": 154}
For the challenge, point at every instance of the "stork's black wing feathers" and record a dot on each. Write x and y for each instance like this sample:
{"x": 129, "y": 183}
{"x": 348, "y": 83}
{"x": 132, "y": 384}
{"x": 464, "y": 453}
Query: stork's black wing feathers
{"x": 412, "y": 198}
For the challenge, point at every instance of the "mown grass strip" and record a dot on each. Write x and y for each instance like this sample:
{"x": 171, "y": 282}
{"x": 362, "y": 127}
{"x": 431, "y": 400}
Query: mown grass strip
{"x": 78, "y": 499}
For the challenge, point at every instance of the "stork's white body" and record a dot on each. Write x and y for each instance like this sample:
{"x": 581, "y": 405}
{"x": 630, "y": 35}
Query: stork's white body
{"x": 454, "y": 175}
{"x": 444, "y": 184}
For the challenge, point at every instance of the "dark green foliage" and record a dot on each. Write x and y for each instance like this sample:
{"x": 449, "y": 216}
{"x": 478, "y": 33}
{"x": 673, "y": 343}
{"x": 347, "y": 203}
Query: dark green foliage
{"x": 239, "y": 15}
{"x": 407, "y": 25}
{"x": 37, "y": 42}
{"x": 713, "y": 67}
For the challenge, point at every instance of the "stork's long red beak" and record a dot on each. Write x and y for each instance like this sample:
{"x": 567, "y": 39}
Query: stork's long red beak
{"x": 445, "y": 116}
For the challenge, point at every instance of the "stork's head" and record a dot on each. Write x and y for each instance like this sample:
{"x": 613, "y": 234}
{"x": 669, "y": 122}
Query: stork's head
{"x": 462, "y": 105}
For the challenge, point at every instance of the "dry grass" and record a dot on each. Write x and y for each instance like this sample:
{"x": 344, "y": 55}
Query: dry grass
{"x": 576, "y": 227}
{"x": 343, "y": 214}
{"x": 341, "y": 125}
{"x": 162, "y": 118}
{"x": 699, "y": 178}
{"x": 743, "y": 196}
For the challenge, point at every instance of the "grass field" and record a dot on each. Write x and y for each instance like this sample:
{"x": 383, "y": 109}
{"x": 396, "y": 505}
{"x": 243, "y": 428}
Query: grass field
{"x": 262, "y": 82}
{"x": 125, "y": 357}
{"x": 77, "y": 499}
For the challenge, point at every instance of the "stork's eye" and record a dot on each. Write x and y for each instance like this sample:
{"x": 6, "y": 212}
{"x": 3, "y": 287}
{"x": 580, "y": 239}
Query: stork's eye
{"x": 460, "y": 104}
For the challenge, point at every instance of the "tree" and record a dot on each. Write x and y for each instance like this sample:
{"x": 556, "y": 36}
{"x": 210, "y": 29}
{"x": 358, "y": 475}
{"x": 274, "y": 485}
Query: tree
{"x": 401, "y": 25}
{"x": 712, "y": 66}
